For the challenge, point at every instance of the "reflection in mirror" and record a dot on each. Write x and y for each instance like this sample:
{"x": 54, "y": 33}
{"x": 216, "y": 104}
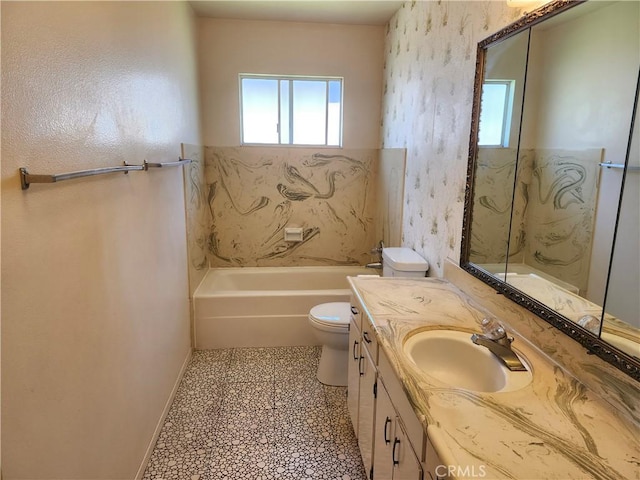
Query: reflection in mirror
{"x": 621, "y": 325}
{"x": 581, "y": 64}
{"x": 552, "y": 251}
{"x": 499, "y": 128}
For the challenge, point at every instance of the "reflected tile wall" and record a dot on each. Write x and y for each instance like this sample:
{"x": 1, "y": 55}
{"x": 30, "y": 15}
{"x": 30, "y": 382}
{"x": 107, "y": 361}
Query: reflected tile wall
{"x": 493, "y": 196}
{"x": 553, "y": 215}
{"x": 252, "y": 194}
{"x": 561, "y": 213}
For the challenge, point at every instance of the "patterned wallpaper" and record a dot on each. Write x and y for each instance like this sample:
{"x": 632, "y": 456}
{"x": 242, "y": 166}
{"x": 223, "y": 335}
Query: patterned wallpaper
{"x": 240, "y": 199}
{"x": 430, "y": 54}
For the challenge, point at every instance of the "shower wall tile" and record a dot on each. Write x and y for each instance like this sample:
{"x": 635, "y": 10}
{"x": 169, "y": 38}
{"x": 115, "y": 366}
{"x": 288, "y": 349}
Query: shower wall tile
{"x": 197, "y": 217}
{"x": 253, "y": 193}
{"x": 389, "y": 194}
{"x": 493, "y": 196}
{"x": 561, "y": 213}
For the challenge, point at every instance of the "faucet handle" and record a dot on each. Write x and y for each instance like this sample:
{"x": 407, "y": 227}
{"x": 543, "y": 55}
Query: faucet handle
{"x": 492, "y": 329}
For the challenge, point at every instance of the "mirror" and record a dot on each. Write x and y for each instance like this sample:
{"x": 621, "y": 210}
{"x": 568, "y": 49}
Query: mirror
{"x": 553, "y": 106}
{"x": 622, "y": 304}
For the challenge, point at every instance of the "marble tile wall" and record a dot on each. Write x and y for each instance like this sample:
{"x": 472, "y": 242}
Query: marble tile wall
{"x": 197, "y": 219}
{"x": 493, "y": 198}
{"x": 561, "y": 213}
{"x": 430, "y": 54}
{"x": 240, "y": 199}
{"x": 553, "y": 215}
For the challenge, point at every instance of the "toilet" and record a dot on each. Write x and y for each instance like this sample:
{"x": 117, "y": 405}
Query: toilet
{"x": 330, "y": 321}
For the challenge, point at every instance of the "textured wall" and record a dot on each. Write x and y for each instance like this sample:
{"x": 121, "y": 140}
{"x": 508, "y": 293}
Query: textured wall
{"x": 94, "y": 280}
{"x": 227, "y": 48}
{"x": 430, "y": 54}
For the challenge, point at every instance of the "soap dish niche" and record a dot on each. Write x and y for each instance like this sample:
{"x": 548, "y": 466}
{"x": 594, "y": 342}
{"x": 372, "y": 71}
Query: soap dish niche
{"x": 293, "y": 234}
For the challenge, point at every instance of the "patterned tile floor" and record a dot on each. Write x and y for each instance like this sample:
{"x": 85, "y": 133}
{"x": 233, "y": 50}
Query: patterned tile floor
{"x": 256, "y": 414}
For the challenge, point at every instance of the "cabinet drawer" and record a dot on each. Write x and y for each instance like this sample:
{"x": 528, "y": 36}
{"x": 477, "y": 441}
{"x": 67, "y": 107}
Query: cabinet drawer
{"x": 369, "y": 340}
{"x": 356, "y": 312}
{"x": 412, "y": 425}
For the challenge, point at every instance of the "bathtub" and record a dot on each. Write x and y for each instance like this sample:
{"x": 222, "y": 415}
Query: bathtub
{"x": 265, "y": 306}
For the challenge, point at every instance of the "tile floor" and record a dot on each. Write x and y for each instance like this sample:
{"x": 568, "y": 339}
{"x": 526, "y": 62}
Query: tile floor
{"x": 256, "y": 414}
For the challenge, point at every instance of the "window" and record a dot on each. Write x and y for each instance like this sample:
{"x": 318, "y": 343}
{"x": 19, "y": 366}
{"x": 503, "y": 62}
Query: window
{"x": 291, "y": 110}
{"x": 495, "y": 113}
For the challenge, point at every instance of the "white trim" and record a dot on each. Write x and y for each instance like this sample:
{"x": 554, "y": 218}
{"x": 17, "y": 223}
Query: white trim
{"x": 165, "y": 411}
{"x": 291, "y": 79}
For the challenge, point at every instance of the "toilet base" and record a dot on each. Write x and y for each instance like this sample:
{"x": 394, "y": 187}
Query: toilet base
{"x": 332, "y": 369}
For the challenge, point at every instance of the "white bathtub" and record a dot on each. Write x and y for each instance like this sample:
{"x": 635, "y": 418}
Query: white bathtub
{"x": 265, "y": 306}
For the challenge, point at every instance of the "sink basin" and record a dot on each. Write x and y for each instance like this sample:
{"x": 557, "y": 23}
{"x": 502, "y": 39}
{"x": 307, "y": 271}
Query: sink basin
{"x": 452, "y": 358}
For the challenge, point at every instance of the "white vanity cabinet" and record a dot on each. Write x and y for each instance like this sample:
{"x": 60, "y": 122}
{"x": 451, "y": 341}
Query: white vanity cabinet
{"x": 384, "y": 440}
{"x": 353, "y": 374}
{"x": 366, "y": 407}
{"x": 362, "y": 377}
{"x": 394, "y": 458}
{"x": 399, "y": 440}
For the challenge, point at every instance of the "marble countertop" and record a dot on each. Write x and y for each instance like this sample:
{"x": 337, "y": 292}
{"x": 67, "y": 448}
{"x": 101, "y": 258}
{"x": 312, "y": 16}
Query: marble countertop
{"x": 553, "y": 428}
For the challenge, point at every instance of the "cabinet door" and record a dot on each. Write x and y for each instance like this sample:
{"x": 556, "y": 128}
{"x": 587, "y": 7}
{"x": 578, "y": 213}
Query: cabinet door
{"x": 405, "y": 463}
{"x": 384, "y": 435}
{"x": 353, "y": 379}
{"x": 433, "y": 464}
{"x": 367, "y": 405}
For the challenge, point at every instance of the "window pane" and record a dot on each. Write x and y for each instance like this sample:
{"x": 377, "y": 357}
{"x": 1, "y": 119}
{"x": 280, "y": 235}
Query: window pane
{"x": 284, "y": 112}
{"x": 334, "y": 112}
{"x": 492, "y": 112}
{"x": 259, "y": 110}
{"x": 309, "y": 112}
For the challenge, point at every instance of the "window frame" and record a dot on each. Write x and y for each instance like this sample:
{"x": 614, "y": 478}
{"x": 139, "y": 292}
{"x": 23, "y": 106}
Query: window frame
{"x": 507, "y": 115}
{"x": 290, "y": 79}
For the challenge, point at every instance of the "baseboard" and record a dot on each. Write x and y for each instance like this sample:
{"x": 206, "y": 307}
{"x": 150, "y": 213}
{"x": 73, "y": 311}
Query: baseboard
{"x": 156, "y": 433}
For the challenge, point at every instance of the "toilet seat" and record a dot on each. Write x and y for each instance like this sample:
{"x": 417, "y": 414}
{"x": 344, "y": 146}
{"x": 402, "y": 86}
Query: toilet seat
{"x": 333, "y": 315}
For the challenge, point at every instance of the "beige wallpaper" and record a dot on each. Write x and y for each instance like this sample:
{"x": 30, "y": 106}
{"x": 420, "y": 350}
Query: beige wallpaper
{"x": 430, "y": 54}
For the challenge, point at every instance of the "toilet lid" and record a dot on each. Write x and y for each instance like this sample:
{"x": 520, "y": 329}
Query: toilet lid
{"x": 335, "y": 314}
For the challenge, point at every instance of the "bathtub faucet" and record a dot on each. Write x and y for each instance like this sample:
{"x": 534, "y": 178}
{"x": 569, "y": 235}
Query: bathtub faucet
{"x": 376, "y": 251}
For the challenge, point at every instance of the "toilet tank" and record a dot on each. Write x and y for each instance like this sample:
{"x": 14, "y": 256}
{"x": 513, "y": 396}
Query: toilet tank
{"x": 403, "y": 262}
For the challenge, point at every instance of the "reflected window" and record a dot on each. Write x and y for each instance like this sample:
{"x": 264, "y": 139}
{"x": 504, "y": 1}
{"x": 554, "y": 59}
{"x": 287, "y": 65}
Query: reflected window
{"x": 291, "y": 110}
{"x": 495, "y": 113}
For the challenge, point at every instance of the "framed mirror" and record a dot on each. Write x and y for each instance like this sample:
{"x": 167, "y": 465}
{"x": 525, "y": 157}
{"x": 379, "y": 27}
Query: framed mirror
{"x": 551, "y": 206}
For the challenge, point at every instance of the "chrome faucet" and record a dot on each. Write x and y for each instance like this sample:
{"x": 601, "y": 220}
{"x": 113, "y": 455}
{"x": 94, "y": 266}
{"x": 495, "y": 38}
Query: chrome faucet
{"x": 376, "y": 251}
{"x": 496, "y": 340}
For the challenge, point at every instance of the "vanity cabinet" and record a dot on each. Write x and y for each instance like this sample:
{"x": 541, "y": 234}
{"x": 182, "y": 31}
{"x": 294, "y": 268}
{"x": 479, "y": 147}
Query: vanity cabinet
{"x": 362, "y": 377}
{"x": 388, "y": 431}
{"x": 434, "y": 467}
{"x": 353, "y": 374}
{"x": 394, "y": 458}
{"x": 366, "y": 407}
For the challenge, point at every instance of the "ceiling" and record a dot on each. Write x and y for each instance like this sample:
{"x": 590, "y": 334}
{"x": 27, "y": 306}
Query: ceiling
{"x": 351, "y": 12}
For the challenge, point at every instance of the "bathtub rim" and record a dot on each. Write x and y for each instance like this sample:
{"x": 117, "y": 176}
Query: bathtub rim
{"x": 201, "y": 293}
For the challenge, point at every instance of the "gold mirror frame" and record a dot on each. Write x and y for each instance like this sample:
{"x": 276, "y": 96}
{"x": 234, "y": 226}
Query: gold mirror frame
{"x": 591, "y": 342}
